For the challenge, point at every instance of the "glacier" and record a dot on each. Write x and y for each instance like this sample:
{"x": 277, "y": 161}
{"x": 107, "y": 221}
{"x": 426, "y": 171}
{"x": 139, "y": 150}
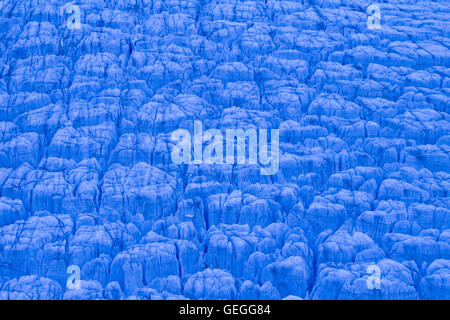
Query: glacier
{"x": 93, "y": 207}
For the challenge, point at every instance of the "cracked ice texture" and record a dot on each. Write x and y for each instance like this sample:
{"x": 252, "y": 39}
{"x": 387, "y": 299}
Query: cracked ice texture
{"x": 86, "y": 177}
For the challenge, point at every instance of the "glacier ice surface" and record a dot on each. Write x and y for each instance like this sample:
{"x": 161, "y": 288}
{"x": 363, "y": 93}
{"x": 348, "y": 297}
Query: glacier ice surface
{"x": 87, "y": 182}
